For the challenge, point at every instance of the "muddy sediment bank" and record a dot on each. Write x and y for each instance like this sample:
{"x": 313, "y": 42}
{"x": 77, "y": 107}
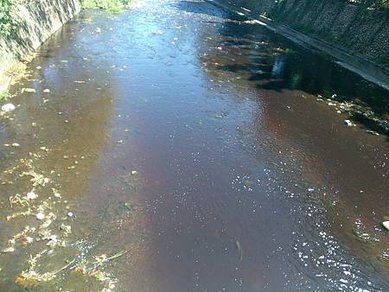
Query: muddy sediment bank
{"x": 36, "y": 21}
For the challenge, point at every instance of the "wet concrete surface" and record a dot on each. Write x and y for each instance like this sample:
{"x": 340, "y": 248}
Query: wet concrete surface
{"x": 193, "y": 153}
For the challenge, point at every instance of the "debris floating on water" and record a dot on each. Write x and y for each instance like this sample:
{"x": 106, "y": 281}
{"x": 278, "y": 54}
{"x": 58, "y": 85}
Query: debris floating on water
{"x": 40, "y": 216}
{"x": 28, "y": 90}
{"x": 18, "y": 200}
{"x": 29, "y": 239}
{"x": 349, "y": 123}
{"x": 372, "y": 132}
{"x": 240, "y": 249}
{"x": 31, "y": 195}
{"x": 52, "y": 241}
{"x": 66, "y": 228}
{"x": 8, "y": 250}
{"x": 8, "y": 107}
{"x": 37, "y": 179}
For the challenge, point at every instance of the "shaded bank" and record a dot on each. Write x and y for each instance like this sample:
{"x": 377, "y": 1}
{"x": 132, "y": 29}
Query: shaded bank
{"x": 366, "y": 104}
{"x": 360, "y": 29}
{"x": 354, "y": 34}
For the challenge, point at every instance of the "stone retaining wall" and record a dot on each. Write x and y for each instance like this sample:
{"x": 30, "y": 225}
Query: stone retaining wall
{"x": 36, "y": 21}
{"x": 357, "y": 29}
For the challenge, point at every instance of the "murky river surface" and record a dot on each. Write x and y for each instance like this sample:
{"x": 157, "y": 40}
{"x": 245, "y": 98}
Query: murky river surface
{"x": 178, "y": 148}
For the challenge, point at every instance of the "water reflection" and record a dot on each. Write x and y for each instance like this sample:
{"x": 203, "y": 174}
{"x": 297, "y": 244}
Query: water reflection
{"x": 301, "y": 69}
{"x": 313, "y": 160}
{"x": 278, "y": 69}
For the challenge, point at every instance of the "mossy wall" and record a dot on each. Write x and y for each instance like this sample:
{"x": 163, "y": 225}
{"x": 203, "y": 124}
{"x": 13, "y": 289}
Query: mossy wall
{"x": 359, "y": 29}
{"x": 35, "y": 21}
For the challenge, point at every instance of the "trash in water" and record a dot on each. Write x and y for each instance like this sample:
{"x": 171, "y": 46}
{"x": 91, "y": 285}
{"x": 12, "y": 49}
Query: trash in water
{"x": 28, "y": 90}
{"x": 31, "y": 196}
{"x": 349, "y": 123}
{"x": 40, "y": 216}
{"x": 8, "y": 107}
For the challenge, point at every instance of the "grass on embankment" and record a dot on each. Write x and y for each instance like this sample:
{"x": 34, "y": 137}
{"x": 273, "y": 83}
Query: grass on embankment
{"x": 114, "y": 6}
{"x": 4, "y": 95}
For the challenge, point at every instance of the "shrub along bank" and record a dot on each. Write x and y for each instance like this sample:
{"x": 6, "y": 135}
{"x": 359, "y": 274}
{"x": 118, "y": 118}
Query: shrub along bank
{"x": 110, "y": 5}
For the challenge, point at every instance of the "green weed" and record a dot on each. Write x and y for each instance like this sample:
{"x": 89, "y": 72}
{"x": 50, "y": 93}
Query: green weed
{"x": 114, "y": 6}
{"x": 7, "y": 24}
{"x": 4, "y": 95}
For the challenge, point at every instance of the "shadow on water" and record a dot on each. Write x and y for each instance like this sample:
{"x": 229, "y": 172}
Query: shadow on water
{"x": 274, "y": 63}
{"x": 329, "y": 154}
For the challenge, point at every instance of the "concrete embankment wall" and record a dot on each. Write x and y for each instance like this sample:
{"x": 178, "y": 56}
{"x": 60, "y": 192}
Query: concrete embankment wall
{"x": 36, "y": 21}
{"x": 356, "y": 29}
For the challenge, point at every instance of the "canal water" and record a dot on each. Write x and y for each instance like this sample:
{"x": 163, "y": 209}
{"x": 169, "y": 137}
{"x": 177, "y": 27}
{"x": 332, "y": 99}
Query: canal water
{"x": 176, "y": 147}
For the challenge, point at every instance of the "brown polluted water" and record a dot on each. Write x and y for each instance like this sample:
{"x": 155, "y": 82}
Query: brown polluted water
{"x": 176, "y": 147}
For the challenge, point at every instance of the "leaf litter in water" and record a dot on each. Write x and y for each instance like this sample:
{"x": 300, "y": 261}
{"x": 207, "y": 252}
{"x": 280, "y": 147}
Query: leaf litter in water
{"x": 49, "y": 229}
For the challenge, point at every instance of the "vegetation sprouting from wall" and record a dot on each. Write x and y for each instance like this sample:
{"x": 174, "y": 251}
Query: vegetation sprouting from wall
{"x": 6, "y": 20}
